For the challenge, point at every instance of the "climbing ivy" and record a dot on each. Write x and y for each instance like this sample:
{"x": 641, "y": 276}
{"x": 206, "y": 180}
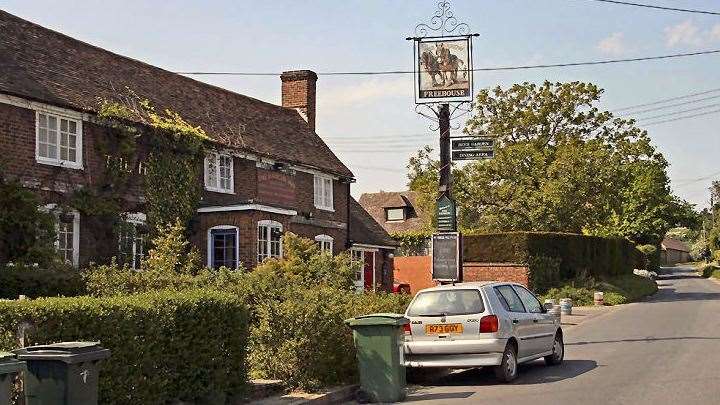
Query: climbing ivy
{"x": 174, "y": 151}
{"x": 412, "y": 243}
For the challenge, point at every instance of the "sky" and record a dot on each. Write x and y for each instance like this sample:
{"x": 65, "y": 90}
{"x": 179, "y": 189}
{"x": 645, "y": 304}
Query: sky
{"x": 370, "y": 121}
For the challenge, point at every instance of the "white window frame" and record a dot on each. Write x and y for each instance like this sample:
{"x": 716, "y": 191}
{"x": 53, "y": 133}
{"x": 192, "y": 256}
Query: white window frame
{"x": 269, "y": 224}
{"x": 323, "y": 197}
{"x": 326, "y": 243}
{"x": 210, "y": 250}
{"x": 216, "y": 158}
{"x": 360, "y": 284}
{"x": 387, "y": 214}
{"x": 78, "y": 141}
{"x": 52, "y": 208}
{"x": 134, "y": 218}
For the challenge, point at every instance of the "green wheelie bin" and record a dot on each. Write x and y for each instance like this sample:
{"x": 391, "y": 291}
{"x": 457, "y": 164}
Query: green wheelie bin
{"x": 379, "y": 342}
{"x": 62, "y": 373}
{"x": 9, "y": 366}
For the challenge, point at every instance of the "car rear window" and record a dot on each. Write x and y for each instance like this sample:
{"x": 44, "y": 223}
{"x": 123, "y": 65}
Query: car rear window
{"x": 450, "y": 302}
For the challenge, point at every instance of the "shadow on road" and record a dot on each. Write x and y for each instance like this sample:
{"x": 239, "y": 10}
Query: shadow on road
{"x": 438, "y": 396}
{"x": 530, "y": 373}
{"x": 646, "y": 339}
{"x": 670, "y": 295}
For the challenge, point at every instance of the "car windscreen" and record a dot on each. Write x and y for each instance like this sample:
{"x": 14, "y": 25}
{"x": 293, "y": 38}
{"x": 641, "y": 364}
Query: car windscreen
{"x": 449, "y": 302}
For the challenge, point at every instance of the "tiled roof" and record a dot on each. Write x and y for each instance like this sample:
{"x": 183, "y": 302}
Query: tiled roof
{"x": 364, "y": 229}
{"x": 43, "y": 65}
{"x": 375, "y": 204}
{"x": 674, "y": 244}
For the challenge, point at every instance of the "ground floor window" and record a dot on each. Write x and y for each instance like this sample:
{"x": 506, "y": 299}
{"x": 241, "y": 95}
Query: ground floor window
{"x": 269, "y": 241}
{"x": 325, "y": 243}
{"x": 223, "y": 247}
{"x": 132, "y": 237}
{"x": 67, "y": 240}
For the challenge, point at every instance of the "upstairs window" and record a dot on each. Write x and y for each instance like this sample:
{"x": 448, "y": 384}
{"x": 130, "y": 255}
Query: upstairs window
{"x": 325, "y": 242}
{"x": 219, "y": 173}
{"x": 395, "y": 214}
{"x": 324, "y": 193}
{"x": 269, "y": 240}
{"x": 58, "y": 140}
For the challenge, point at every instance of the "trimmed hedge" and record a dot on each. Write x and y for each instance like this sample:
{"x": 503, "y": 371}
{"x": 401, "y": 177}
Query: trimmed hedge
{"x": 166, "y": 346}
{"x": 35, "y": 282}
{"x": 304, "y": 341}
{"x": 555, "y": 256}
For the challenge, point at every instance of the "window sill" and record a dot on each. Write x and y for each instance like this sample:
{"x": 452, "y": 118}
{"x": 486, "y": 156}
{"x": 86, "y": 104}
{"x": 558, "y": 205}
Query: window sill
{"x": 325, "y": 209}
{"x": 59, "y": 163}
{"x": 218, "y": 190}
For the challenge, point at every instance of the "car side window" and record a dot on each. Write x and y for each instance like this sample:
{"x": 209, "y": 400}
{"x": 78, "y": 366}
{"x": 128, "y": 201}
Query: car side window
{"x": 529, "y": 300}
{"x": 511, "y": 300}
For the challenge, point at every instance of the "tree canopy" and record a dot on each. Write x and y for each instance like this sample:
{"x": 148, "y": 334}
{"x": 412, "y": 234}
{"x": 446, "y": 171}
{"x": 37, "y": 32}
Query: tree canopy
{"x": 561, "y": 164}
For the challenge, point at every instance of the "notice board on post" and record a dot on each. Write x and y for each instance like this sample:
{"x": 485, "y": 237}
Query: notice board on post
{"x": 446, "y": 257}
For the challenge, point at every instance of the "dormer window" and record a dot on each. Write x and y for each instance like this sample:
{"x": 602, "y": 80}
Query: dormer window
{"x": 394, "y": 214}
{"x": 219, "y": 173}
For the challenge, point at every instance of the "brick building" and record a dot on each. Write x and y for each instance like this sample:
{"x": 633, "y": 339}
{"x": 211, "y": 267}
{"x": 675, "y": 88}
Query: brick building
{"x": 268, "y": 172}
{"x": 398, "y": 212}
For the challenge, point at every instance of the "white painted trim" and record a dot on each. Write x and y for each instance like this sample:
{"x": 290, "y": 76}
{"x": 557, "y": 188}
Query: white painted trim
{"x": 49, "y": 208}
{"x": 322, "y": 179}
{"x": 326, "y": 238}
{"x": 248, "y": 207}
{"x": 215, "y": 187}
{"x": 34, "y": 105}
{"x": 375, "y": 248}
{"x": 78, "y": 145}
{"x": 270, "y": 224}
{"x": 237, "y": 244}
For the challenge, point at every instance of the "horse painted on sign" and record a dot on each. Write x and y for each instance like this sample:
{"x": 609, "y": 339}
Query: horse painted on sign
{"x": 432, "y": 67}
{"x": 449, "y": 65}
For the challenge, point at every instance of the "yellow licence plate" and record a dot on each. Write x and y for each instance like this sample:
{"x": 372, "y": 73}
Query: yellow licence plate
{"x": 442, "y": 329}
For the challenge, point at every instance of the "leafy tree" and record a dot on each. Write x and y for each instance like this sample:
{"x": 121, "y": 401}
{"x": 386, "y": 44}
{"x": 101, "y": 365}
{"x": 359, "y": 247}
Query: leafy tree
{"x": 561, "y": 164}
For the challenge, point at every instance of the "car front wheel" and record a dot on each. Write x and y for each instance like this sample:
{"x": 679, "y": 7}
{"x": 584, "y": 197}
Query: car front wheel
{"x": 507, "y": 370}
{"x": 558, "y": 351}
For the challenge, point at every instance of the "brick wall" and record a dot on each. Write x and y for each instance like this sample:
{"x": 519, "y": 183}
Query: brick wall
{"x": 299, "y": 91}
{"x": 414, "y": 270}
{"x": 517, "y": 273}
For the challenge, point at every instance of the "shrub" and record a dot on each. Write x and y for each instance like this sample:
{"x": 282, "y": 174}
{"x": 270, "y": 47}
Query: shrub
{"x": 651, "y": 256}
{"x": 576, "y": 255}
{"x": 165, "y": 345}
{"x": 27, "y": 235}
{"x": 707, "y": 270}
{"x": 303, "y": 340}
{"x": 16, "y": 280}
{"x": 617, "y": 290}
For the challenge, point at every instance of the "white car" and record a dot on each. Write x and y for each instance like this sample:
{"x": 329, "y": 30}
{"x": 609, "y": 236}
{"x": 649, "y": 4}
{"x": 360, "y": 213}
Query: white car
{"x": 481, "y": 324}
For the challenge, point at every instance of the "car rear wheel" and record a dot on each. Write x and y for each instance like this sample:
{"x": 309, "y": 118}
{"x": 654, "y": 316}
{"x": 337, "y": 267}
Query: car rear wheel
{"x": 507, "y": 370}
{"x": 558, "y": 351}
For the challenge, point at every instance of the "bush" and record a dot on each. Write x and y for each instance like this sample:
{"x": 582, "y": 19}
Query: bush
{"x": 707, "y": 270}
{"x": 617, "y": 290}
{"x": 16, "y": 280}
{"x": 651, "y": 255}
{"x": 303, "y": 340}
{"x": 166, "y": 346}
{"x": 576, "y": 255}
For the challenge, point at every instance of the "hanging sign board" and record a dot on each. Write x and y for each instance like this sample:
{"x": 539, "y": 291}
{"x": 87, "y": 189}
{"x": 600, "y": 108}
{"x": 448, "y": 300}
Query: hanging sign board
{"x": 446, "y": 214}
{"x": 472, "y": 154}
{"x": 443, "y": 70}
{"x": 446, "y": 256}
{"x": 473, "y": 143}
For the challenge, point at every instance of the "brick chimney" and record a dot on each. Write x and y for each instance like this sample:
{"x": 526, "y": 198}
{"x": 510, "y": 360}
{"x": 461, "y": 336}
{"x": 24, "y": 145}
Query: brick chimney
{"x": 298, "y": 92}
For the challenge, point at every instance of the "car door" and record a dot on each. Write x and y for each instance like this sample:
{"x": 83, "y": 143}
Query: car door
{"x": 543, "y": 331}
{"x": 523, "y": 322}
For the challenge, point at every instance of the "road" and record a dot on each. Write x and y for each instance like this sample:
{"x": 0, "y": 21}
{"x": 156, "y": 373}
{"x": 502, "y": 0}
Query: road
{"x": 665, "y": 350}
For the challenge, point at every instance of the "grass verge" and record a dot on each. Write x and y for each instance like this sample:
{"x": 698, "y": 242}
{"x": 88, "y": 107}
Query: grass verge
{"x": 618, "y": 290}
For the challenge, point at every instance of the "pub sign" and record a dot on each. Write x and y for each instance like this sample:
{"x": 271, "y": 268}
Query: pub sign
{"x": 443, "y": 70}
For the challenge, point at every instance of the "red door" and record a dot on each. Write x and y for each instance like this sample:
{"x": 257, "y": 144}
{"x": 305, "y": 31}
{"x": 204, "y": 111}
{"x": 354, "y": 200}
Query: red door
{"x": 369, "y": 270}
